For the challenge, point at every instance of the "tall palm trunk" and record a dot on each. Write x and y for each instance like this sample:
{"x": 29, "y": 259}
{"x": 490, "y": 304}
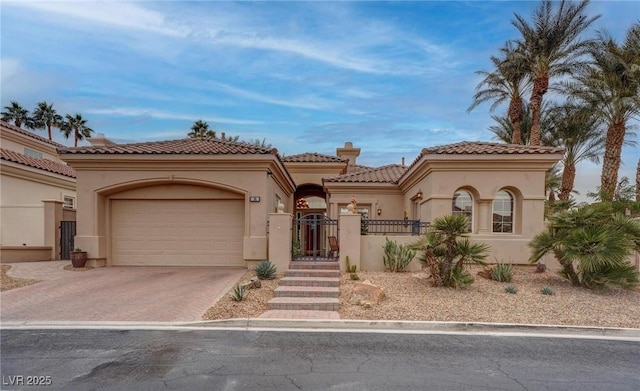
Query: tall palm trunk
{"x": 611, "y": 161}
{"x": 568, "y": 179}
{"x": 638, "y": 182}
{"x": 49, "y": 129}
{"x": 75, "y": 143}
{"x": 516, "y": 113}
{"x": 540, "y": 86}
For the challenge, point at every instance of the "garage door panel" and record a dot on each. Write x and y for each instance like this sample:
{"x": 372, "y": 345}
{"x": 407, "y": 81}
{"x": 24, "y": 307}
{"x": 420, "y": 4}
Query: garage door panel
{"x": 177, "y": 232}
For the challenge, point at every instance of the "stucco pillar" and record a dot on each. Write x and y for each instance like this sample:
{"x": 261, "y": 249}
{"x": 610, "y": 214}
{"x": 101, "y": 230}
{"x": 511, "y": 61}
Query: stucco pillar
{"x": 280, "y": 240}
{"x": 484, "y": 213}
{"x": 52, "y": 219}
{"x": 349, "y": 240}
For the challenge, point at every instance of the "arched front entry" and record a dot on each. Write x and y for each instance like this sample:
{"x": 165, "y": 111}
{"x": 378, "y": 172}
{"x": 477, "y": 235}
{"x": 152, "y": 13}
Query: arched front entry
{"x": 312, "y": 228}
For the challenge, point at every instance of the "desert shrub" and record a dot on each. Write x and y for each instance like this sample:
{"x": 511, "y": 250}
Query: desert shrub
{"x": 239, "y": 293}
{"x": 397, "y": 256}
{"x": 265, "y": 270}
{"x": 511, "y": 289}
{"x": 546, "y": 290}
{"x": 502, "y": 272}
{"x": 592, "y": 244}
{"x": 446, "y": 250}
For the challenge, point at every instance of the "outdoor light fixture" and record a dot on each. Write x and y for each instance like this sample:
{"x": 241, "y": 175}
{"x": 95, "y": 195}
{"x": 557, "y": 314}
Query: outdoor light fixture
{"x": 419, "y": 195}
{"x": 379, "y": 211}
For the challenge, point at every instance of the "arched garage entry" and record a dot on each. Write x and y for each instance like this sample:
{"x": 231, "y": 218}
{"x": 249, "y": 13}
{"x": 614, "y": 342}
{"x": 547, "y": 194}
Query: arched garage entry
{"x": 176, "y": 224}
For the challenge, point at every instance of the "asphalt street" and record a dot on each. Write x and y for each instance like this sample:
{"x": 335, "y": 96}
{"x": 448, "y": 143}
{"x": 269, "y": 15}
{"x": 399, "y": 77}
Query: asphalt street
{"x": 89, "y": 359}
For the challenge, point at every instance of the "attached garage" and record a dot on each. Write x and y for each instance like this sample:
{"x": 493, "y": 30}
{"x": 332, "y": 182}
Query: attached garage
{"x": 177, "y": 232}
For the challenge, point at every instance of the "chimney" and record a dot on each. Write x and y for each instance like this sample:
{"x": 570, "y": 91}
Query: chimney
{"x": 403, "y": 161}
{"x": 223, "y": 136}
{"x": 100, "y": 141}
{"x": 348, "y": 152}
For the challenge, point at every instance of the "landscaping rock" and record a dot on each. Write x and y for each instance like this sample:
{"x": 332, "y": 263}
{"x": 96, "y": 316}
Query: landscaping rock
{"x": 421, "y": 275}
{"x": 485, "y": 273}
{"x": 253, "y": 283}
{"x": 366, "y": 294}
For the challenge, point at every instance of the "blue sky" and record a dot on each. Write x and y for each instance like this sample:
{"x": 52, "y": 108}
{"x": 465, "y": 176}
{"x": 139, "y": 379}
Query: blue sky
{"x": 391, "y": 77}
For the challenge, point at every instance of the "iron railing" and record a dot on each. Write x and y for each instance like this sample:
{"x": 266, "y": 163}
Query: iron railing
{"x": 393, "y": 227}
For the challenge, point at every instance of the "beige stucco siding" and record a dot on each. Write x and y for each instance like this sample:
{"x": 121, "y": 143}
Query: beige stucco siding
{"x": 22, "y": 191}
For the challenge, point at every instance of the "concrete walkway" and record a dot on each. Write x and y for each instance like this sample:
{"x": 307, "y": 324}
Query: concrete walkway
{"x": 157, "y": 294}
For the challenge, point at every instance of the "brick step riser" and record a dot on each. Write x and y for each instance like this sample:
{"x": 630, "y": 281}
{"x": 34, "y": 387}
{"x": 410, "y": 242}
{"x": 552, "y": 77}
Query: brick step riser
{"x": 312, "y": 273}
{"x": 314, "y": 266}
{"x": 284, "y": 282}
{"x": 303, "y": 293}
{"x": 304, "y": 306}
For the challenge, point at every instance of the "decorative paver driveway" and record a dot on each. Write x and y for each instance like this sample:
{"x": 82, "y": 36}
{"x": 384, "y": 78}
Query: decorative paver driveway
{"x": 163, "y": 294}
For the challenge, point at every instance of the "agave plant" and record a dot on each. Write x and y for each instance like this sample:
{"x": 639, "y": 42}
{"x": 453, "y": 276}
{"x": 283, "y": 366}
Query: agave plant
{"x": 396, "y": 256}
{"x": 239, "y": 293}
{"x": 265, "y": 270}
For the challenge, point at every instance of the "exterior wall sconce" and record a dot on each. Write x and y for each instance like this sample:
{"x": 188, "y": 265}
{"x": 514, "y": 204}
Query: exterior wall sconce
{"x": 419, "y": 195}
{"x": 379, "y": 211}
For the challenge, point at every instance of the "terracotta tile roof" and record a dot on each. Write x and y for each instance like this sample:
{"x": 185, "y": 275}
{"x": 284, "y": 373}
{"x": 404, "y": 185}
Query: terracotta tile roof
{"x": 311, "y": 157}
{"x": 385, "y": 174}
{"x": 42, "y": 164}
{"x": 188, "y": 146}
{"x": 487, "y": 148}
{"x": 27, "y": 133}
{"x": 357, "y": 168}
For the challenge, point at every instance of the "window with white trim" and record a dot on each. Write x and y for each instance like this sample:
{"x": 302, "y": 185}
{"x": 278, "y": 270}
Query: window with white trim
{"x": 463, "y": 204}
{"x": 502, "y": 220}
{"x": 69, "y": 202}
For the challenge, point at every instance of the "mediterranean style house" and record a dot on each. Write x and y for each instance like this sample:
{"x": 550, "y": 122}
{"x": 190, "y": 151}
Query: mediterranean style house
{"x": 211, "y": 202}
{"x": 37, "y": 193}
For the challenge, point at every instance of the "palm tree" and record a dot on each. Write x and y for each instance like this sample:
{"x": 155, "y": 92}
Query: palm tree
{"x": 76, "y": 125}
{"x": 503, "y": 129}
{"x": 592, "y": 244}
{"x": 46, "y": 116}
{"x": 508, "y": 81}
{"x": 611, "y": 87}
{"x": 446, "y": 249}
{"x": 550, "y": 45}
{"x": 552, "y": 183}
{"x": 638, "y": 182}
{"x": 200, "y": 129}
{"x": 577, "y": 130}
{"x": 16, "y": 113}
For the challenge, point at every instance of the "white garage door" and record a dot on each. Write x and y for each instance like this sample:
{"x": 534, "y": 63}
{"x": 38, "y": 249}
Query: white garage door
{"x": 177, "y": 232}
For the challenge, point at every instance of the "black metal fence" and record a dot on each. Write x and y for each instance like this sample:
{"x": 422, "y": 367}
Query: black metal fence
{"x": 67, "y": 234}
{"x": 393, "y": 227}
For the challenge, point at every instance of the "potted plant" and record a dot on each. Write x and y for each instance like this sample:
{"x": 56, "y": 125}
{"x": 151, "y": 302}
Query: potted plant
{"x": 78, "y": 257}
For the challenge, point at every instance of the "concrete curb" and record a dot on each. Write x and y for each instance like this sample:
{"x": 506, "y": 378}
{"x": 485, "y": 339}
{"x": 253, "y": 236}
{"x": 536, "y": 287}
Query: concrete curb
{"x": 374, "y": 326}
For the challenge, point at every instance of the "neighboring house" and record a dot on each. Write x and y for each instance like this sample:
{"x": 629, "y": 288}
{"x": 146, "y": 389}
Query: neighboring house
{"x": 209, "y": 202}
{"x": 37, "y": 191}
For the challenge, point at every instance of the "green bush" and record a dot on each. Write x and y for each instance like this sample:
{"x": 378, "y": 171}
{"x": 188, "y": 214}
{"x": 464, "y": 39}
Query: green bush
{"x": 397, "y": 256}
{"x": 511, "y": 289}
{"x": 239, "y": 293}
{"x": 446, "y": 250}
{"x": 265, "y": 270}
{"x": 546, "y": 290}
{"x": 592, "y": 244}
{"x": 502, "y": 272}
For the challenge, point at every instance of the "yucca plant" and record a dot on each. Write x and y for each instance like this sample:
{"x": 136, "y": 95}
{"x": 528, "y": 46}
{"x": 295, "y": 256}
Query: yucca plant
{"x": 511, "y": 289}
{"x": 265, "y": 270}
{"x": 502, "y": 272}
{"x": 397, "y": 256}
{"x": 239, "y": 293}
{"x": 446, "y": 249}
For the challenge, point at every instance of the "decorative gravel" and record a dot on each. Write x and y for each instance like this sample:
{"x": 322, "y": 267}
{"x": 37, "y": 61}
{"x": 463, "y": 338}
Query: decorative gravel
{"x": 7, "y": 282}
{"x": 77, "y": 269}
{"x": 410, "y": 296}
{"x": 252, "y": 307}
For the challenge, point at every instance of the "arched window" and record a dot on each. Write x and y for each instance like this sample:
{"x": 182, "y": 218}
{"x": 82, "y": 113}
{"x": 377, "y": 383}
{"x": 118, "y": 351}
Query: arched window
{"x": 463, "y": 204}
{"x": 503, "y": 212}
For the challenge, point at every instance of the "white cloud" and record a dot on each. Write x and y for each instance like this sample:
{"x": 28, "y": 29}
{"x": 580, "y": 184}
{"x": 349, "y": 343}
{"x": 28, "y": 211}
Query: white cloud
{"x": 159, "y": 114}
{"x": 116, "y": 14}
{"x": 304, "y": 102}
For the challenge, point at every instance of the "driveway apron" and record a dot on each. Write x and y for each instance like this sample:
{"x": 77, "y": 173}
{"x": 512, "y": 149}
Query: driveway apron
{"x": 162, "y": 294}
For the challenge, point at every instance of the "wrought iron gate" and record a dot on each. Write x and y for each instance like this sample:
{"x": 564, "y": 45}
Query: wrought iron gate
{"x": 311, "y": 233}
{"x": 67, "y": 234}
